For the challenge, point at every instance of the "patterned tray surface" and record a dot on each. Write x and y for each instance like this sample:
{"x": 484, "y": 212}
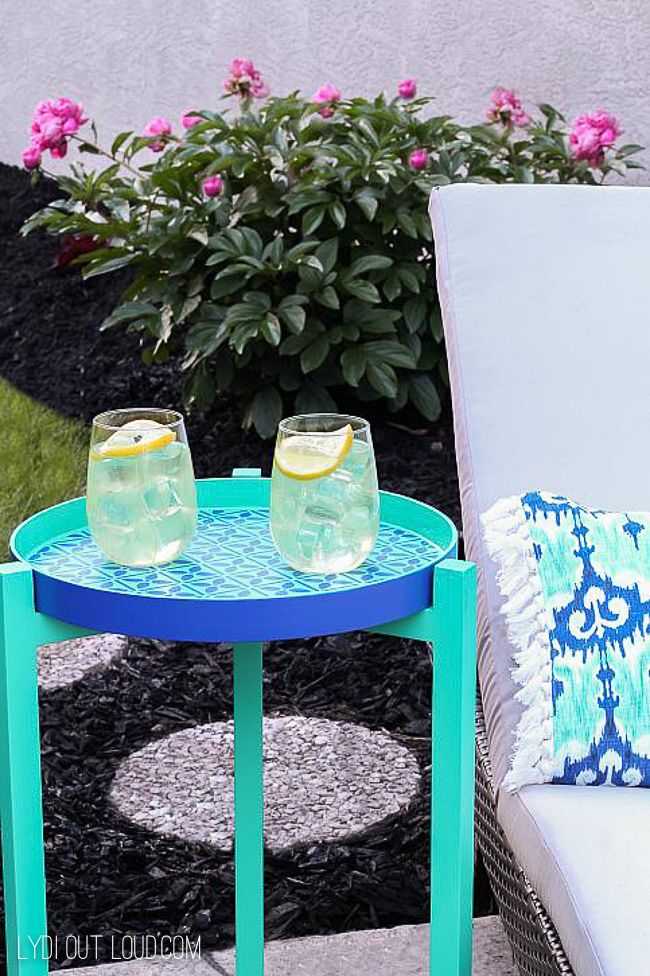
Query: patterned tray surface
{"x": 232, "y": 557}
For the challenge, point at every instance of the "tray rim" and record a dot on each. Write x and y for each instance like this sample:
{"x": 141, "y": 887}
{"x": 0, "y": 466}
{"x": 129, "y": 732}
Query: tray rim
{"x": 224, "y": 619}
{"x": 249, "y": 485}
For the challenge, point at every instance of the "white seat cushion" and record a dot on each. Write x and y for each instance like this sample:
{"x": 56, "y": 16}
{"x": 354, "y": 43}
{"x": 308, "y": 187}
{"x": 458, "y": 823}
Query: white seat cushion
{"x": 545, "y": 292}
{"x": 586, "y": 852}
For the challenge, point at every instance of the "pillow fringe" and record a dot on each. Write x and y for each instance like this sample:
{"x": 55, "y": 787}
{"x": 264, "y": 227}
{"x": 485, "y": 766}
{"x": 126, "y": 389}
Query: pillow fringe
{"x": 509, "y": 544}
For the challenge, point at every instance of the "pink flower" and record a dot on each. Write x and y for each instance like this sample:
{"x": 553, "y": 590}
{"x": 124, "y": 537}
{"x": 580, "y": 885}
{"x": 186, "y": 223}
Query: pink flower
{"x": 506, "y": 108}
{"x": 592, "y": 134}
{"x": 259, "y": 89}
{"x": 244, "y": 80}
{"x": 419, "y": 159}
{"x": 242, "y": 68}
{"x": 212, "y": 186}
{"x": 158, "y": 126}
{"x": 53, "y": 122}
{"x": 327, "y": 96}
{"x": 407, "y": 88}
{"x": 31, "y": 157}
{"x": 189, "y": 120}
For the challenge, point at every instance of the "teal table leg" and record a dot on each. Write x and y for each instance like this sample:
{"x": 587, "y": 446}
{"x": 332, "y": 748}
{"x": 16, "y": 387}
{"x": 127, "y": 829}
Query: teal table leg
{"x": 249, "y": 810}
{"x": 452, "y": 810}
{"x": 21, "y": 632}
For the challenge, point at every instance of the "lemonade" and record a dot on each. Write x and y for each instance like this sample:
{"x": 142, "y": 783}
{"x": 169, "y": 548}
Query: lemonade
{"x": 324, "y": 496}
{"x": 141, "y": 496}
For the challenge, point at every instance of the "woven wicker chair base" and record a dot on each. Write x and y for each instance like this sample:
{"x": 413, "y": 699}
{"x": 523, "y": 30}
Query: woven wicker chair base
{"x": 535, "y": 943}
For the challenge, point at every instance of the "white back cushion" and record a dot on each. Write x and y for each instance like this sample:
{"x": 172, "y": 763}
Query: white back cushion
{"x": 545, "y": 292}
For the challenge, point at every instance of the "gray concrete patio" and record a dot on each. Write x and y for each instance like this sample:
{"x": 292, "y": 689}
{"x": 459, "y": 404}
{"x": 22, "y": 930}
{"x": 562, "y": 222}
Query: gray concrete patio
{"x": 401, "y": 951}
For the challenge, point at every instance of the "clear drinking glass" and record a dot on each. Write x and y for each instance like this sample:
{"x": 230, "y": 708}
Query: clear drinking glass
{"x": 141, "y": 495}
{"x": 324, "y": 495}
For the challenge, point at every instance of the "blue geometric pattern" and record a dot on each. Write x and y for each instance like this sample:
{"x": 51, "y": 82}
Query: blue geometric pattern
{"x": 594, "y": 571}
{"x": 232, "y": 557}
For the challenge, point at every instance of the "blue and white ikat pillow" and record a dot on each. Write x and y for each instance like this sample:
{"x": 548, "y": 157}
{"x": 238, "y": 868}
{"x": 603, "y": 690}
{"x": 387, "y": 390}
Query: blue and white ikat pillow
{"x": 576, "y": 584}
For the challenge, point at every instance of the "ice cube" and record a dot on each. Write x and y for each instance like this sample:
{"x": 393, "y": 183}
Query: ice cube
{"x": 335, "y": 487}
{"x": 161, "y": 499}
{"x": 118, "y": 509}
{"x": 115, "y": 474}
{"x": 168, "y": 460}
{"x": 316, "y": 531}
{"x": 174, "y": 529}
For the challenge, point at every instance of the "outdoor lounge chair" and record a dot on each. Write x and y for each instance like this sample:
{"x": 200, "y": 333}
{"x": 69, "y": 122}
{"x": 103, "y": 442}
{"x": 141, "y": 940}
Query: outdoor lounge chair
{"x": 545, "y": 292}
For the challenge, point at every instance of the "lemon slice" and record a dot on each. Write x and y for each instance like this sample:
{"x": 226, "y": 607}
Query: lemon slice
{"x": 136, "y": 437}
{"x": 308, "y": 456}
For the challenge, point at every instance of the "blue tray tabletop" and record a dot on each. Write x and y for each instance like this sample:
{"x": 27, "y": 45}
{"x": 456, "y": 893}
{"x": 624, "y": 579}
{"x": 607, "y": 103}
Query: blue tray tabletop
{"x": 231, "y": 584}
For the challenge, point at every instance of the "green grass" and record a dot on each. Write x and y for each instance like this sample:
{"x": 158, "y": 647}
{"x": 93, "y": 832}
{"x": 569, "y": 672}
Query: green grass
{"x": 42, "y": 459}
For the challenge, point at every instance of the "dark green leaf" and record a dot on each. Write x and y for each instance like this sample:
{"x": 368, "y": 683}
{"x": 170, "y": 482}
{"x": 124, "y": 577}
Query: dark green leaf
{"x": 382, "y": 378}
{"x": 294, "y": 317}
{"x": 119, "y": 141}
{"x": 258, "y": 298}
{"x": 315, "y": 354}
{"x": 304, "y": 247}
{"x": 127, "y": 313}
{"x": 310, "y": 279}
{"x": 424, "y": 396}
{"x": 367, "y": 203}
{"x": 104, "y": 267}
{"x": 327, "y": 253}
{"x": 392, "y": 286}
{"x": 243, "y": 333}
{"x": 415, "y": 310}
{"x": 206, "y": 336}
{"x": 414, "y": 344}
{"x": 335, "y": 335}
{"x": 337, "y": 213}
{"x": 312, "y": 262}
{"x": 313, "y": 398}
{"x": 366, "y": 127}
{"x": 435, "y": 321}
{"x": 273, "y": 252}
{"x": 406, "y": 222}
{"x": 363, "y": 290}
{"x": 353, "y": 365}
{"x": 266, "y": 411}
{"x": 247, "y": 198}
{"x": 253, "y": 241}
{"x": 293, "y": 300}
{"x": 200, "y": 389}
{"x": 370, "y": 262}
{"x": 351, "y": 331}
{"x": 327, "y": 297}
{"x": 271, "y": 329}
{"x": 312, "y": 219}
{"x": 182, "y": 264}
{"x": 294, "y": 344}
{"x": 409, "y": 279}
{"x": 384, "y": 351}
{"x": 188, "y": 307}
{"x": 229, "y": 284}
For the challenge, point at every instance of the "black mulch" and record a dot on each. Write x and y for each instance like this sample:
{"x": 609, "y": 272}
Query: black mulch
{"x": 105, "y": 876}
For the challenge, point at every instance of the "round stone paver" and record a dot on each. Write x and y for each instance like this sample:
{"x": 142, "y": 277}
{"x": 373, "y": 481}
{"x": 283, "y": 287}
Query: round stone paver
{"x": 67, "y": 661}
{"x": 323, "y": 781}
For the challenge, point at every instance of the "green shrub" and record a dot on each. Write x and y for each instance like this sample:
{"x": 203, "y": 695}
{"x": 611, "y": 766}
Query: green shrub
{"x": 309, "y": 272}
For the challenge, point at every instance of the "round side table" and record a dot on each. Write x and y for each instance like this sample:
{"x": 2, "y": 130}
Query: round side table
{"x": 231, "y": 586}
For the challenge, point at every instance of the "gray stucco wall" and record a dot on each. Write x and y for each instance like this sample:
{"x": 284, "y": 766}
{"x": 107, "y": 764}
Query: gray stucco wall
{"x": 130, "y": 59}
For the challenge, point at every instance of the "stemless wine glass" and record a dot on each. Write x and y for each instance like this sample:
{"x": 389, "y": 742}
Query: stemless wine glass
{"x": 141, "y": 496}
{"x": 324, "y": 495}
